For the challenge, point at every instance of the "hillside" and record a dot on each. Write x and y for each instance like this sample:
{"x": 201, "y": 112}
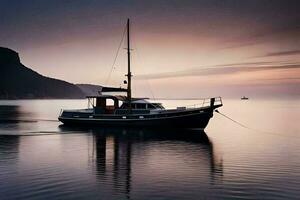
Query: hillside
{"x": 19, "y": 82}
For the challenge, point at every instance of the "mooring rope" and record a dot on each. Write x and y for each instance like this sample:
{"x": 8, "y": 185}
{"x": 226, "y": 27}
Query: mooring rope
{"x": 253, "y": 129}
{"x": 233, "y": 120}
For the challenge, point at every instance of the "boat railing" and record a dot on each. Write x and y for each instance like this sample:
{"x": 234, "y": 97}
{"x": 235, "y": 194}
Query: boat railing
{"x": 206, "y": 102}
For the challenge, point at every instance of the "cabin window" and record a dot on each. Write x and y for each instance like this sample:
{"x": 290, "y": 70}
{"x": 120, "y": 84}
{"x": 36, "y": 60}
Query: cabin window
{"x": 110, "y": 102}
{"x": 150, "y": 106}
{"x": 125, "y": 106}
{"x": 158, "y": 105}
{"x": 120, "y": 103}
{"x": 140, "y": 106}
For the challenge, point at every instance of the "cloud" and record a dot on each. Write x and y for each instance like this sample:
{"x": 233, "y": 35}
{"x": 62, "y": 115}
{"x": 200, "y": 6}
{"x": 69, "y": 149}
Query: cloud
{"x": 222, "y": 70}
{"x": 288, "y": 31}
{"x": 275, "y": 79}
{"x": 282, "y": 53}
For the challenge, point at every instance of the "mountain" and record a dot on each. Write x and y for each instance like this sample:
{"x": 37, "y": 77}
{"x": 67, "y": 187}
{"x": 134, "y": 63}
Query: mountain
{"x": 89, "y": 89}
{"x": 19, "y": 82}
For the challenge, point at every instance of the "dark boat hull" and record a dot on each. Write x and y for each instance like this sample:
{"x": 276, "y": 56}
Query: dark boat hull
{"x": 197, "y": 118}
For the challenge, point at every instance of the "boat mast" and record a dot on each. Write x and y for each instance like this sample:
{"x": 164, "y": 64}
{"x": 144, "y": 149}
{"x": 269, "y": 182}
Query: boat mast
{"x": 128, "y": 59}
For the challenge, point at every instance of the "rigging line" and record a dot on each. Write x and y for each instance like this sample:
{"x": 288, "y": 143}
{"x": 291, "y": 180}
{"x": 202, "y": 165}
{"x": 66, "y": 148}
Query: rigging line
{"x": 244, "y": 126}
{"x": 116, "y": 56}
{"x": 147, "y": 80}
{"x": 151, "y": 91}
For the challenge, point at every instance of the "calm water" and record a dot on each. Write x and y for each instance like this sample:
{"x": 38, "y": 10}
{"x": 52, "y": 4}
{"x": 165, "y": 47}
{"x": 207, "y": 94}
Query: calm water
{"x": 39, "y": 159}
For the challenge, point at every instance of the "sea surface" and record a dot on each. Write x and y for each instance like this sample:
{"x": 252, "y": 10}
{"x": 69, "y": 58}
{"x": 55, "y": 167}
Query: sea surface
{"x": 41, "y": 159}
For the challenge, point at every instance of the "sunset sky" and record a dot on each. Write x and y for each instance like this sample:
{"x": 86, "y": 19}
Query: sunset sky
{"x": 180, "y": 48}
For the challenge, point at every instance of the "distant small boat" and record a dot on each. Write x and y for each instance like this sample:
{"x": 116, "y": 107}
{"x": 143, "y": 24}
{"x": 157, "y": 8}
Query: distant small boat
{"x": 244, "y": 98}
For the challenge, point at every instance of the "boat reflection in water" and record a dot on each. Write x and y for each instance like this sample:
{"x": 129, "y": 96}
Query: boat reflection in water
{"x": 149, "y": 160}
{"x": 9, "y": 113}
{"x": 81, "y": 163}
{"x": 14, "y": 114}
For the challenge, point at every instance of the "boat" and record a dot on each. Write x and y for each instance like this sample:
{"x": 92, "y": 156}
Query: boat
{"x": 244, "y": 98}
{"x": 126, "y": 111}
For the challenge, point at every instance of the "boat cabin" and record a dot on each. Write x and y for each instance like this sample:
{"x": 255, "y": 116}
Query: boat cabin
{"x": 109, "y": 104}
